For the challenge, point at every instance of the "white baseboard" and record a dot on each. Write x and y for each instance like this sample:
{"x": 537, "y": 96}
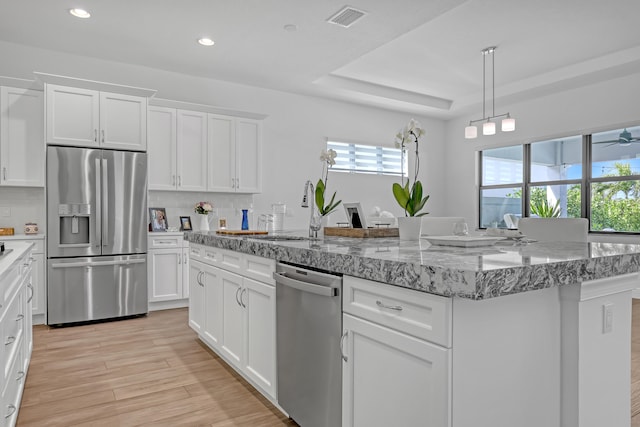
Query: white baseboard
{"x": 167, "y": 305}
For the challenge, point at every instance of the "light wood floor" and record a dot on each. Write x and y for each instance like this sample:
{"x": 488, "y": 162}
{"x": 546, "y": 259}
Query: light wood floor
{"x": 144, "y": 371}
{"x": 635, "y": 364}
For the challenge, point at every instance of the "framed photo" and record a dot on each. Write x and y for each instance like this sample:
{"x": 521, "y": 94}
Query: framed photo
{"x": 185, "y": 223}
{"x": 158, "y": 218}
{"x": 354, "y": 215}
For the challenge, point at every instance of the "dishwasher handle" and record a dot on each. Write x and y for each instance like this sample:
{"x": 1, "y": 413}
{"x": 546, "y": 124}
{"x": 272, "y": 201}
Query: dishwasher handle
{"x": 300, "y": 285}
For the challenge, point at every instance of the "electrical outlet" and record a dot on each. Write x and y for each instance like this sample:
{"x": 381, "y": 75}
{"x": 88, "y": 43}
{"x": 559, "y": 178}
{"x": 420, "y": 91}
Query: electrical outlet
{"x": 5, "y": 211}
{"x": 607, "y": 318}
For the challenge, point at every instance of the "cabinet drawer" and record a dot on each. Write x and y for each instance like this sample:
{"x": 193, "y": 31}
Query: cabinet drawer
{"x": 415, "y": 313}
{"x": 230, "y": 260}
{"x": 12, "y": 389}
{"x": 207, "y": 254}
{"x": 164, "y": 242}
{"x": 12, "y": 327}
{"x": 10, "y": 281}
{"x": 259, "y": 268}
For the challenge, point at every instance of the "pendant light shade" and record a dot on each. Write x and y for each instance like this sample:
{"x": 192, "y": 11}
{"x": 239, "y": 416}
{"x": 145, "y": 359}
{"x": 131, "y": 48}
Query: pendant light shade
{"x": 470, "y": 132}
{"x": 508, "y": 124}
{"x": 488, "y": 126}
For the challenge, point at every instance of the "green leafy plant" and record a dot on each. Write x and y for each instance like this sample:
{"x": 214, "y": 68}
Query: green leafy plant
{"x": 328, "y": 159}
{"x": 410, "y": 196}
{"x": 544, "y": 209}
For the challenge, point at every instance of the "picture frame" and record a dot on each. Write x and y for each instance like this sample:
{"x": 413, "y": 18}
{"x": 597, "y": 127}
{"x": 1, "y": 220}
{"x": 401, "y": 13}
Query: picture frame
{"x": 355, "y": 217}
{"x": 185, "y": 223}
{"x": 158, "y": 219}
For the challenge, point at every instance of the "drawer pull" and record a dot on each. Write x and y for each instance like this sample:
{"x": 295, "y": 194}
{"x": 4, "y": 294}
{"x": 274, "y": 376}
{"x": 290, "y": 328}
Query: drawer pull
{"x": 20, "y": 375}
{"x": 10, "y": 340}
{"x": 390, "y": 307}
{"x": 19, "y": 317}
{"x": 344, "y": 336}
{"x": 12, "y": 410}
{"x": 165, "y": 242}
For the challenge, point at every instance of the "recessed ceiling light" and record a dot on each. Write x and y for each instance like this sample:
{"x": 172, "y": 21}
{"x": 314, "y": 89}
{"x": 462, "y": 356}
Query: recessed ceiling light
{"x": 291, "y": 27}
{"x": 80, "y": 13}
{"x": 206, "y": 41}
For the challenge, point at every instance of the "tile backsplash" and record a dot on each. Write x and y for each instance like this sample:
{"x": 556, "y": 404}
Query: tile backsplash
{"x": 19, "y": 205}
{"x": 177, "y": 204}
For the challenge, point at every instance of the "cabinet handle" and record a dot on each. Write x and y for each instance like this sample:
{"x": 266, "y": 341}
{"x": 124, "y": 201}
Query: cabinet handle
{"x": 241, "y": 299}
{"x": 390, "y": 307}
{"x": 179, "y": 259}
{"x": 30, "y": 286}
{"x": 344, "y": 336}
{"x": 4, "y": 173}
{"x": 184, "y": 259}
{"x": 12, "y": 410}
{"x": 237, "y": 300}
{"x": 10, "y": 340}
{"x": 19, "y": 317}
{"x": 179, "y": 180}
{"x": 237, "y": 182}
{"x": 102, "y": 136}
{"x": 20, "y": 375}
{"x": 198, "y": 277}
{"x": 174, "y": 180}
{"x": 95, "y": 135}
{"x": 233, "y": 183}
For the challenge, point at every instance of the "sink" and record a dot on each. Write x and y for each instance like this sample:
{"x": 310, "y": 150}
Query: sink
{"x": 277, "y": 237}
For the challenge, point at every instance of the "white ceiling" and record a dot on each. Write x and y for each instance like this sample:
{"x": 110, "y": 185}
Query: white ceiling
{"x": 418, "y": 56}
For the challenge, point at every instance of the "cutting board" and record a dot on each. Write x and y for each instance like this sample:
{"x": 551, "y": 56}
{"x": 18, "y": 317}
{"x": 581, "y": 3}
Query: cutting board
{"x": 361, "y": 232}
{"x": 241, "y": 232}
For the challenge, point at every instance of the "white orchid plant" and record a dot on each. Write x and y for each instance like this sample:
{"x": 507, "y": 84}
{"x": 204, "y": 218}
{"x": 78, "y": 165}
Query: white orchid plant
{"x": 328, "y": 159}
{"x": 409, "y": 196}
{"x": 203, "y": 208}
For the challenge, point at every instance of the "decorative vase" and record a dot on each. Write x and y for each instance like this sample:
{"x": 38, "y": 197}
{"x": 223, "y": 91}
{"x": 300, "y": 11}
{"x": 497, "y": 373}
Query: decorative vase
{"x": 317, "y": 225}
{"x": 204, "y": 222}
{"x": 409, "y": 227}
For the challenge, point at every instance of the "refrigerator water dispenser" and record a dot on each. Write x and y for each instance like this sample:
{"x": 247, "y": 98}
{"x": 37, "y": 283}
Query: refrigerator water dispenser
{"x": 74, "y": 222}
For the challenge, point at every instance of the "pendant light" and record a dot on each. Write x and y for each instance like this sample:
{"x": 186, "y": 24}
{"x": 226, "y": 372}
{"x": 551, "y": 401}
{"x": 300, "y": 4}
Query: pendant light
{"x": 508, "y": 124}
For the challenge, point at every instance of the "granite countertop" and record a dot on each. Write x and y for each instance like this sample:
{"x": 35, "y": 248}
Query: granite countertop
{"x": 476, "y": 273}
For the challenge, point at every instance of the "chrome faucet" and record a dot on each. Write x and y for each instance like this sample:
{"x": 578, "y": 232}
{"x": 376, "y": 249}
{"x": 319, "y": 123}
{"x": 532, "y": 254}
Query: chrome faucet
{"x": 313, "y": 229}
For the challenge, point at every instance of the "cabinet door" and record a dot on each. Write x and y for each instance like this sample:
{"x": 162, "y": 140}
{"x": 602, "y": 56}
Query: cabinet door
{"x": 233, "y": 317}
{"x": 221, "y": 153}
{"x": 162, "y": 148}
{"x": 192, "y": 150}
{"x": 72, "y": 116}
{"x": 196, "y": 297}
{"x": 123, "y": 122}
{"x": 248, "y": 156}
{"x": 260, "y": 339}
{"x": 164, "y": 267}
{"x": 214, "y": 306}
{"x": 37, "y": 282}
{"x": 391, "y": 378}
{"x": 21, "y": 146}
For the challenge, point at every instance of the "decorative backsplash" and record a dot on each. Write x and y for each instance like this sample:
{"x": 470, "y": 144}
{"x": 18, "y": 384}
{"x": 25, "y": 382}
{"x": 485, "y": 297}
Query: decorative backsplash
{"x": 23, "y": 205}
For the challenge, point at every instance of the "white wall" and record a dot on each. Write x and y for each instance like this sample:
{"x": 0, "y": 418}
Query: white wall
{"x": 294, "y": 132}
{"x": 607, "y": 105}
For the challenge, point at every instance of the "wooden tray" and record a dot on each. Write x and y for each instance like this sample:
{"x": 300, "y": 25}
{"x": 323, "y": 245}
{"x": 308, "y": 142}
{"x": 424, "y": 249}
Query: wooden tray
{"x": 241, "y": 232}
{"x": 361, "y": 232}
{"x": 6, "y": 231}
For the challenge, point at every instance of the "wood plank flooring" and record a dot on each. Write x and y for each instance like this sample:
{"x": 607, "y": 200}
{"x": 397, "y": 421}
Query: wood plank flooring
{"x": 144, "y": 371}
{"x": 635, "y": 364}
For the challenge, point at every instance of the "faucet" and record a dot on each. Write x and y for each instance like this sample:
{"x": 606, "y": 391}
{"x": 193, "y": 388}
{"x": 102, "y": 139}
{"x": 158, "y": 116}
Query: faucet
{"x": 313, "y": 233}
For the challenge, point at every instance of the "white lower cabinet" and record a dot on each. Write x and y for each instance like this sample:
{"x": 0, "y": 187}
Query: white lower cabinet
{"x": 234, "y": 313}
{"x": 392, "y": 375}
{"x": 167, "y": 268}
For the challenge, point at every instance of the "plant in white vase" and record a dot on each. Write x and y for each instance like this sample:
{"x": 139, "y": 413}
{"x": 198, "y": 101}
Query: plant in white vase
{"x": 328, "y": 159}
{"x": 203, "y": 209}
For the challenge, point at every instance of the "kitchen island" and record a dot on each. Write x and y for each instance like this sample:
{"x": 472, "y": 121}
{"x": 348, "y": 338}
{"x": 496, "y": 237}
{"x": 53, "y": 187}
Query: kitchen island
{"x": 534, "y": 334}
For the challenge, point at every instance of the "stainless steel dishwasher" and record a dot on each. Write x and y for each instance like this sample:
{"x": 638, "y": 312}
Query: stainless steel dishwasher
{"x": 309, "y": 328}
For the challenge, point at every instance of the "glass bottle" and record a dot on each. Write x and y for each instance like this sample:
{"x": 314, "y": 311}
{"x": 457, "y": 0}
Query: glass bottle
{"x": 245, "y": 219}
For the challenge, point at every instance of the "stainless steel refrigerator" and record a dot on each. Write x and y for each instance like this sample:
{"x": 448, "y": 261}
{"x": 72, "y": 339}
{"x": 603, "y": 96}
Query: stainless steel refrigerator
{"x": 96, "y": 234}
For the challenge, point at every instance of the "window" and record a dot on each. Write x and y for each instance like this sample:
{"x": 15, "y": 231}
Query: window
{"x": 596, "y": 176}
{"x": 368, "y": 159}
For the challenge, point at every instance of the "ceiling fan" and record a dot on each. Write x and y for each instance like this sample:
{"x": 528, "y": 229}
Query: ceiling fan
{"x": 625, "y": 138}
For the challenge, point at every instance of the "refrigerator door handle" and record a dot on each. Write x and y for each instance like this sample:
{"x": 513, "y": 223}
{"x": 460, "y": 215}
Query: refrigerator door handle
{"x": 98, "y": 215}
{"x": 97, "y": 263}
{"x": 105, "y": 201}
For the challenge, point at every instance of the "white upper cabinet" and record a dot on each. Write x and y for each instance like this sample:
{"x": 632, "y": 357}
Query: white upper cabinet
{"x": 91, "y": 118}
{"x": 192, "y": 150}
{"x": 177, "y": 149}
{"x": 21, "y": 129}
{"x": 163, "y": 149}
{"x": 235, "y": 154}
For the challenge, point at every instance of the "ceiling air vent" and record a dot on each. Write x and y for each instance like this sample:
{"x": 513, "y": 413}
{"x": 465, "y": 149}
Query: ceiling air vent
{"x": 346, "y": 17}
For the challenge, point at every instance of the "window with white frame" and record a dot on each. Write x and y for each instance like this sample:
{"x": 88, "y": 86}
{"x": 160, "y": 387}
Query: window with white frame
{"x": 360, "y": 158}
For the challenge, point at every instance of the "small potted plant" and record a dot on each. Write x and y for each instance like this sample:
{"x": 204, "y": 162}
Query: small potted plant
{"x": 410, "y": 196}
{"x": 318, "y": 217}
{"x": 203, "y": 209}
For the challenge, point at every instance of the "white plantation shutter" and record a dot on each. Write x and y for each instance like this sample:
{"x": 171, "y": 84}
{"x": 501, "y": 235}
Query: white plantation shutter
{"x": 367, "y": 159}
